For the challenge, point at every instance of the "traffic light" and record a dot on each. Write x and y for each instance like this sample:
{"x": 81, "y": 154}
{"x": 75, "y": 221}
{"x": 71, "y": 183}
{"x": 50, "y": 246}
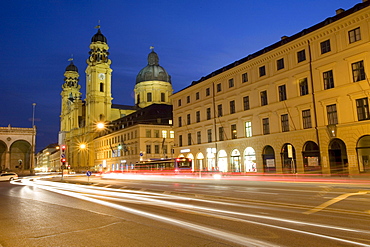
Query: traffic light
{"x": 63, "y": 158}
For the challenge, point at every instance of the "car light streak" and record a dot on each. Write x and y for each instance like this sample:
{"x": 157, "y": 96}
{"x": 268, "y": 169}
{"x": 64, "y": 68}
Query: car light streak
{"x": 235, "y": 238}
{"x": 141, "y": 197}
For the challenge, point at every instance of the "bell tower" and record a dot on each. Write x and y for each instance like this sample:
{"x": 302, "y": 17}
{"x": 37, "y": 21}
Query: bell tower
{"x": 71, "y": 99}
{"x": 98, "y": 81}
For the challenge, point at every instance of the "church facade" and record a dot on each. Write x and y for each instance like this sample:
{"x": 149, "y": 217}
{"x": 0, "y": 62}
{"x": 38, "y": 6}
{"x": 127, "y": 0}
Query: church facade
{"x": 87, "y": 126}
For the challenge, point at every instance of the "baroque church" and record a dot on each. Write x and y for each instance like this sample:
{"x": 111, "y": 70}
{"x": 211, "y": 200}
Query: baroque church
{"x": 109, "y": 147}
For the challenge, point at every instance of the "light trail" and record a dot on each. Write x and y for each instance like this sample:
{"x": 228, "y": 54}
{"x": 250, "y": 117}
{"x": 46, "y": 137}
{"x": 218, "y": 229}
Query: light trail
{"x": 97, "y": 194}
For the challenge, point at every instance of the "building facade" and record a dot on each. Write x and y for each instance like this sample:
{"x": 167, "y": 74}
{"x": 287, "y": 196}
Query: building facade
{"x": 87, "y": 127}
{"x": 17, "y": 146}
{"x": 297, "y": 106}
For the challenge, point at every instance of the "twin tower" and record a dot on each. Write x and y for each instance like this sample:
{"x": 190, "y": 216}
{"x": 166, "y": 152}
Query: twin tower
{"x": 79, "y": 117}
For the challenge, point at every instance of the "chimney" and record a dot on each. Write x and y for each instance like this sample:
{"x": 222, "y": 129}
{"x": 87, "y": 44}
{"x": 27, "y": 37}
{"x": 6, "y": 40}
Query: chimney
{"x": 284, "y": 37}
{"x": 338, "y": 11}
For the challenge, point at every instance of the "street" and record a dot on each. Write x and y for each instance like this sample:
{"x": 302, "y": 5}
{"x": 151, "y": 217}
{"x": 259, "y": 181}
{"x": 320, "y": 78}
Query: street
{"x": 178, "y": 211}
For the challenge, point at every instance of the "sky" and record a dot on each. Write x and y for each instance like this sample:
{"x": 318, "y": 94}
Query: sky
{"x": 192, "y": 39}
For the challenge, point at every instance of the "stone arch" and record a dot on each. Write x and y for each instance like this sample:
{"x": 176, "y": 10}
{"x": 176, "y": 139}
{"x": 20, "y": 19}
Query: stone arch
{"x": 338, "y": 157}
{"x": 20, "y": 155}
{"x": 3, "y": 151}
{"x": 311, "y": 157}
{"x": 288, "y": 158}
{"x": 363, "y": 153}
{"x": 268, "y": 157}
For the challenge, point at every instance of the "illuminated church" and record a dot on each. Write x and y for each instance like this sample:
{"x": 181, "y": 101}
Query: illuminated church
{"x": 130, "y": 133}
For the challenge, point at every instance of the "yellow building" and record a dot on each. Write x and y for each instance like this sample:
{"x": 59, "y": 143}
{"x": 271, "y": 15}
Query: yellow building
{"x": 297, "y": 106}
{"x": 79, "y": 118}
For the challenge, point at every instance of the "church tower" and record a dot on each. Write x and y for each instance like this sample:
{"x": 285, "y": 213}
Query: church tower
{"x": 71, "y": 100}
{"x": 153, "y": 84}
{"x": 98, "y": 82}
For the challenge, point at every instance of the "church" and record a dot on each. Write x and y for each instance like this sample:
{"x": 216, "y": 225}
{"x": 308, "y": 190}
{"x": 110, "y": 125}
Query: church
{"x": 98, "y": 135}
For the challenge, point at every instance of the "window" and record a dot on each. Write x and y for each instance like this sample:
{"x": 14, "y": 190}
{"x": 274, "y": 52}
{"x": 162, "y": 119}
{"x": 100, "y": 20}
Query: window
{"x": 199, "y": 137}
{"x": 179, "y": 102}
{"x": 187, "y": 99}
{"x": 284, "y": 122}
{"x": 189, "y": 139}
{"x": 306, "y": 119}
{"x": 220, "y": 133}
{"x": 354, "y": 35}
{"x": 282, "y": 92}
{"x": 233, "y": 131}
{"x": 148, "y": 133}
{"x": 208, "y": 91}
{"x": 262, "y": 71}
{"x": 172, "y": 134}
{"x": 163, "y": 97}
{"x": 362, "y": 109}
{"x": 156, "y": 133}
{"x": 197, "y": 116}
{"x": 148, "y": 149}
{"x": 328, "y": 79}
{"x": 180, "y": 121}
{"x": 232, "y": 106}
{"x": 156, "y": 149}
{"x": 332, "y": 114}
{"x": 164, "y": 147}
{"x": 245, "y": 77}
{"x": 248, "y": 129}
{"x": 101, "y": 87}
{"x": 209, "y": 135}
{"x": 263, "y": 98}
{"x": 208, "y": 113}
{"x": 197, "y": 95}
{"x": 231, "y": 83}
{"x": 188, "y": 119}
{"x": 164, "y": 133}
{"x": 219, "y": 87}
{"x": 265, "y": 126}
{"x": 358, "y": 71}
{"x": 149, "y": 97}
{"x": 246, "y": 103}
{"x": 301, "y": 56}
{"x": 180, "y": 140}
{"x": 280, "y": 64}
{"x": 303, "y": 86}
{"x": 325, "y": 46}
{"x": 219, "y": 109}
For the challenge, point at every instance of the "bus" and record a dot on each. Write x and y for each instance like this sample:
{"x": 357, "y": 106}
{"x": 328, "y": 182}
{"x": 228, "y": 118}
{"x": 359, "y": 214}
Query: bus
{"x": 172, "y": 164}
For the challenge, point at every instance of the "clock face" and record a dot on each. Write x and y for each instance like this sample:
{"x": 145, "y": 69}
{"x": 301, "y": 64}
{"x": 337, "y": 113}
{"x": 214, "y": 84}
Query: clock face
{"x": 101, "y": 76}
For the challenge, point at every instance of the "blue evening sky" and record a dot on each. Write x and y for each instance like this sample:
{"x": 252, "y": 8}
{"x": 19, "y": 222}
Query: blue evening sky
{"x": 191, "y": 37}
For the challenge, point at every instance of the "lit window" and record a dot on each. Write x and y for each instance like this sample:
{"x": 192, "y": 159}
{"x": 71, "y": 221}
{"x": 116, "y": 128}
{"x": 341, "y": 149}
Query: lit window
{"x": 172, "y": 134}
{"x": 233, "y": 131}
{"x": 248, "y": 129}
{"x": 164, "y": 133}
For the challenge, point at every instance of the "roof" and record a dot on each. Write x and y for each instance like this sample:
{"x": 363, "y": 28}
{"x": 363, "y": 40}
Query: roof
{"x": 284, "y": 41}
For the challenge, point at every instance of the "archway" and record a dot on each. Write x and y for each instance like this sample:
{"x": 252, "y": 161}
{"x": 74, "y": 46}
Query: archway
{"x": 288, "y": 160}
{"x": 222, "y": 161}
{"x": 338, "y": 157}
{"x": 363, "y": 153}
{"x": 20, "y": 154}
{"x": 268, "y": 157}
{"x": 235, "y": 161}
{"x": 198, "y": 162}
{"x": 250, "y": 160}
{"x": 311, "y": 157}
{"x": 3, "y": 149}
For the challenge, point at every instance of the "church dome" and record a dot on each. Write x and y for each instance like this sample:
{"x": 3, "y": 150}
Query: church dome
{"x": 71, "y": 67}
{"x": 99, "y": 37}
{"x": 153, "y": 71}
